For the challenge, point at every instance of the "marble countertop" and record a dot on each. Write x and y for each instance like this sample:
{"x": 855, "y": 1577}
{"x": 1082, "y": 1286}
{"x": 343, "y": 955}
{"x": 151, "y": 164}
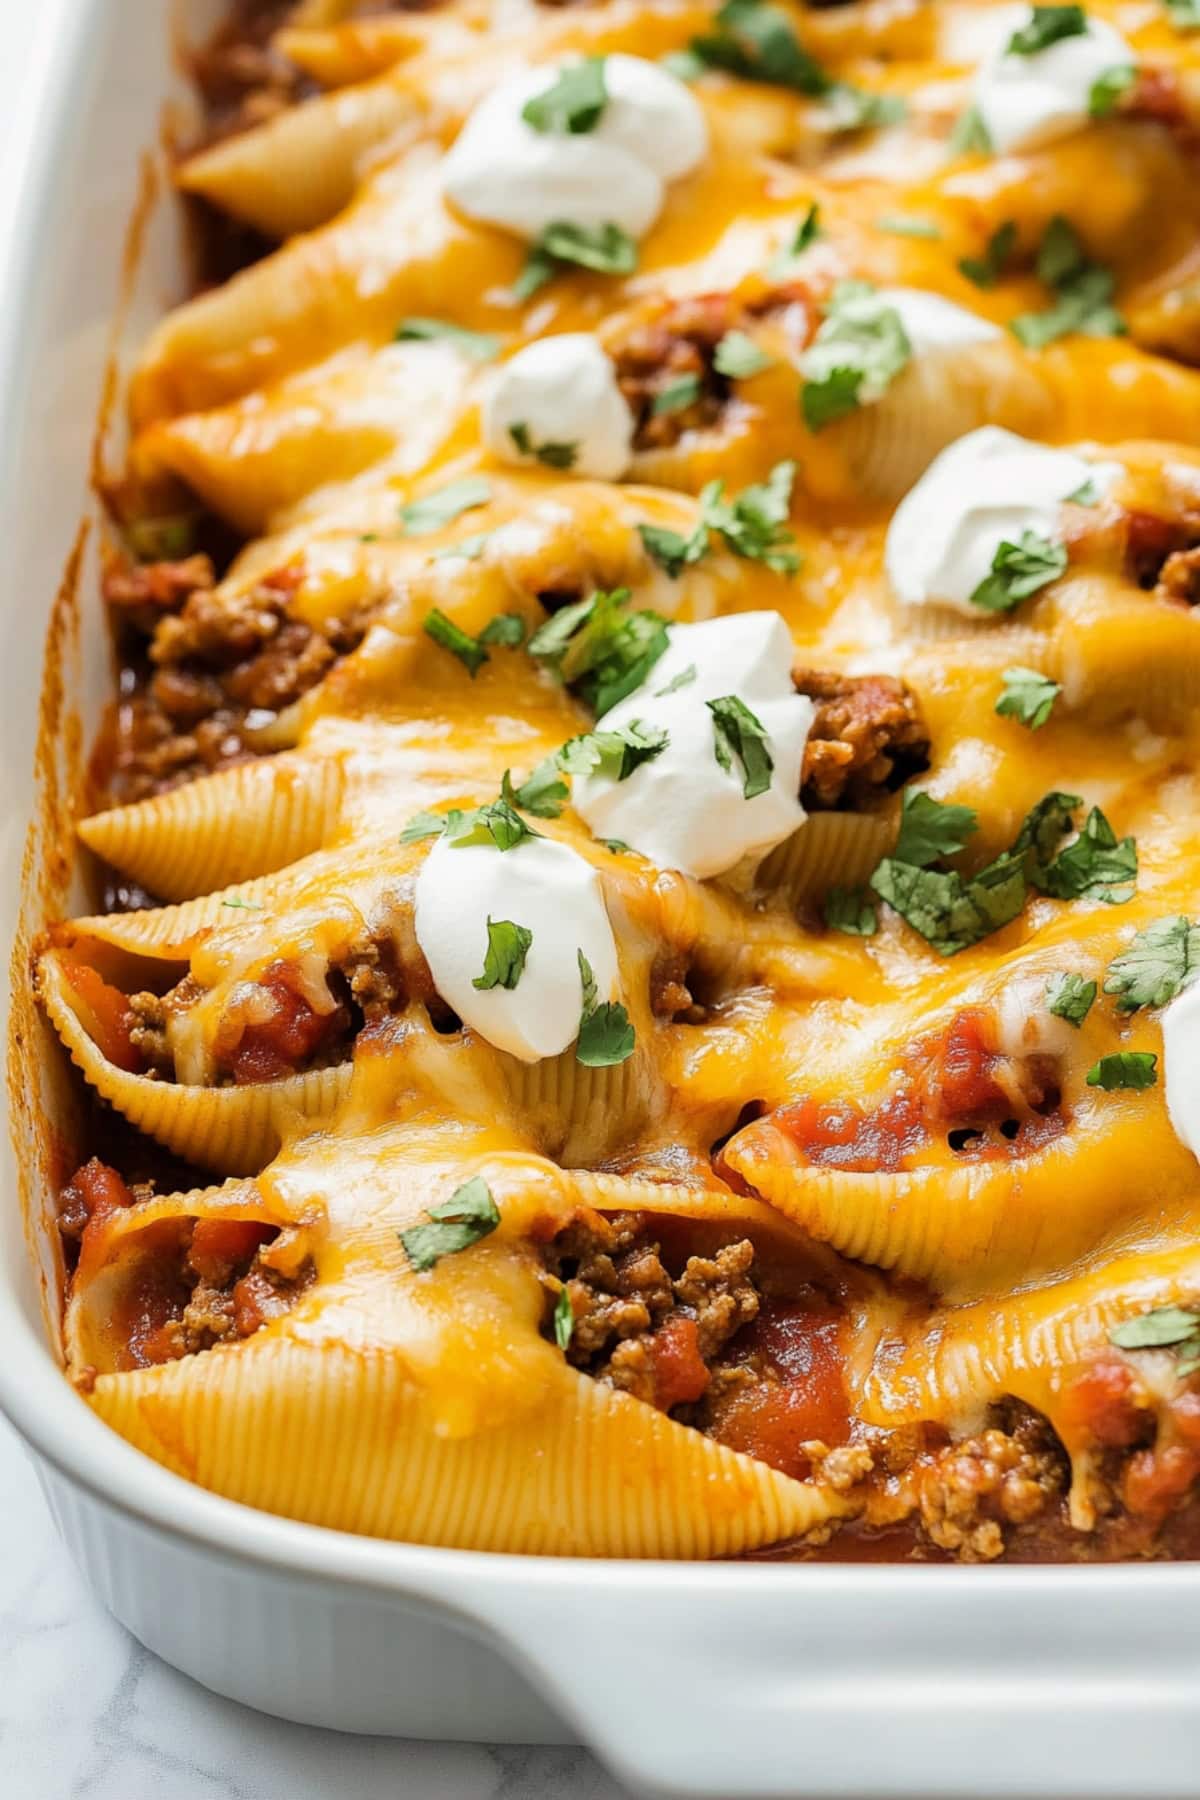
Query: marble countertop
{"x": 87, "y": 1714}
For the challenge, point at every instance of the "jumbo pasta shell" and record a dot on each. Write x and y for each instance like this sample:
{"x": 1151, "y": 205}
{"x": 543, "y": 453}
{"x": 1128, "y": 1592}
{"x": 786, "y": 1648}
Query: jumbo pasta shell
{"x": 831, "y": 849}
{"x": 232, "y": 1130}
{"x": 337, "y": 1437}
{"x": 241, "y": 822}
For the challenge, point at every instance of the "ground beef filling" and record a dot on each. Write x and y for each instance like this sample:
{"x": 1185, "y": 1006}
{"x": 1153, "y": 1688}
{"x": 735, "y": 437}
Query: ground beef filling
{"x": 205, "y": 669}
{"x": 867, "y": 739}
{"x": 970, "y": 1494}
{"x": 638, "y": 1327}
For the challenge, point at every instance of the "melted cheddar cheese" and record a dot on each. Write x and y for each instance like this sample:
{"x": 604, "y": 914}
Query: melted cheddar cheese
{"x": 870, "y": 1050}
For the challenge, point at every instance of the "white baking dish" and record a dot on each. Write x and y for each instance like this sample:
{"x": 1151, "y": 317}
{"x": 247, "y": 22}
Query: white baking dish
{"x": 694, "y": 1679}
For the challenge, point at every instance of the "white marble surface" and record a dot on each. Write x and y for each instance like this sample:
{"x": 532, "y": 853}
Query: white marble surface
{"x": 87, "y": 1714}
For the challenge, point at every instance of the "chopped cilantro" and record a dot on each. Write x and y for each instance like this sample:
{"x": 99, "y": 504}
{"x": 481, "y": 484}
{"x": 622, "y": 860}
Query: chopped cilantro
{"x": 680, "y": 393}
{"x": 908, "y": 225}
{"x": 605, "y": 1034}
{"x": 854, "y": 109}
{"x": 506, "y": 628}
{"x": 1083, "y": 288}
{"x": 613, "y": 754}
{"x": 949, "y": 912}
{"x": 600, "y": 648}
{"x": 1184, "y": 14}
{"x": 497, "y": 824}
{"x": 469, "y": 548}
{"x": 1160, "y": 963}
{"x": 544, "y": 793}
{"x": 807, "y": 232}
{"x": 508, "y": 944}
{"x": 1070, "y": 997}
{"x": 554, "y": 456}
{"x": 469, "y": 1215}
{"x": 423, "y": 825}
{"x": 564, "y": 1320}
{"x": 431, "y": 511}
{"x": 1094, "y": 867}
{"x": 684, "y": 679}
{"x": 1047, "y": 25}
{"x": 452, "y": 637}
{"x": 1019, "y": 570}
{"x": 971, "y": 136}
{"x": 758, "y": 43}
{"x": 1086, "y": 494}
{"x": 737, "y": 355}
{"x": 573, "y": 103}
{"x": 606, "y": 249}
{"x": 235, "y": 900}
{"x": 753, "y": 524}
{"x": 164, "y": 539}
{"x": 859, "y": 349}
{"x": 986, "y": 270}
{"x": 850, "y": 910}
{"x": 930, "y": 829}
{"x": 1163, "y": 1328}
{"x": 1124, "y": 1069}
{"x": 671, "y": 550}
{"x": 480, "y": 346}
{"x": 1028, "y": 696}
{"x": 738, "y": 733}
{"x": 1107, "y": 90}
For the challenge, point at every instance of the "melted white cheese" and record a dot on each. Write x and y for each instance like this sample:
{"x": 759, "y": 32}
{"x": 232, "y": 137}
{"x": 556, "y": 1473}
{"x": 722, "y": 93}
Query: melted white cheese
{"x": 501, "y": 171}
{"x": 932, "y": 323}
{"x": 1025, "y": 1026}
{"x": 983, "y": 490}
{"x": 1027, "y": 101}
{"x": 562, "y": 391}
{"x": 682, "y": 809}
{"x": 1181, "y": 1066}
{"x": 550, "y": 890}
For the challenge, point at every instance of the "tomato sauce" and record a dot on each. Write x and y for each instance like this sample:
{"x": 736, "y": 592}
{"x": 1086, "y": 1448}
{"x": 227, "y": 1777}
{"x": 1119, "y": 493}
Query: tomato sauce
{"x": 801, "y": 1394}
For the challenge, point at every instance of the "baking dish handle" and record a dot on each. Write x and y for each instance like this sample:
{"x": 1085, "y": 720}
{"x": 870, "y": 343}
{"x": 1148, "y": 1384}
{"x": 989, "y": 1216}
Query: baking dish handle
{"x": 826, "y": 1681}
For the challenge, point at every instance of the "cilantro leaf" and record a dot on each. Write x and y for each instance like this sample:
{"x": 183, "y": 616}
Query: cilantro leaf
{"x": 756, "y": 42}
{"x": 950, "y": 913}
{"x": 850, "y": 108}
{"x": 1047, "y": 25}
{"x": 970, "y": 135}
{"x": 738, "y": 733}
{"x": 1045, "y": 825}
{"x": 1158, "y": 1329}
{"x": 671, "y": 550}
{"x": 469, "y": 1215}
{"x": 554, "y": 456}
{"x": 504, "y": 961}
{"x": 431, "y": 511}
{"x": 1083, "y": 288}
{"x": 1184, "y": 14}
{"x": 1124, "y": 1069}
{"x": 1160, "y": 963}
{"x": 908, "y": 225}
{"x": 242, "y": 905}
{"x": 986, "y": 270}
{"x": 680, "y": 393}
{"x": 573, "y": 103}
{"x": 1094, "y": 867}
{"x": 1019, "y": 570}
{"x": 599, "y": 648}
{"x": 1070, "y": 997}
{"x": 1028, "y": 696}
{"x": 737, "y": 355}
{"x": 564, "y": 1320}
{"x": 613, "y": 754}
{"x": 807, "y": 232}
{"x": 480, "y": 346}
{"x": 684, "y": 679}
{"x": 605, "y": 249}
{"x": 850, "y": 910}
{"x": 452, "y": 637}
{"x": 605, "y": 1034}
{"x": 929, "y": 829}
{"x": 1108, "y": 88}
{"x": 507, "y": 629}
{"x": 497, "y": 824}
{"x": 753, "y": 524}
{"x": 423, "y": 825}
{"x": 544, "y": 793}
{"x": 469, "y": 547}
{"x": 859, "y": 349}
{"x": 1086, "y": 494}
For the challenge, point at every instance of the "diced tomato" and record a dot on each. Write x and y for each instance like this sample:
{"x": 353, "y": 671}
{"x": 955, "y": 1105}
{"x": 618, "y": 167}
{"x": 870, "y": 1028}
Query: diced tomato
{"x": 770, "y": 1419}
{"x": 1185, "y": 1416}
{"x": 256, "y": 1300}
{"x": 842, "y": 1136}
{"x": 956, "y": 1067}
{"x": 108, "y": 1018}
{"x": 679, "y": 1371}
{"x": 93, "y": 1192}
{"x": 219, "y": 1245}
{"x": 1156, "y": 1479}
{"x": 275, "y": 1047}
{"x": 1100, "y": 1403}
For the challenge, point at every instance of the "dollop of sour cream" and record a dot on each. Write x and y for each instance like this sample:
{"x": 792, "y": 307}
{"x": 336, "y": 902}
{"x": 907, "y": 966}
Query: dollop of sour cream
{"x": 502, "y": 171}
{"x": 1181, "y": 1066}
{"x": 1027, "y": 101}
{"x": 682, "y": 809}
{"x": 985, "y": 489}
{"x": 557, "y": 402}
{"x": 554, "y": 894}
{"x": 932, "y": 323}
